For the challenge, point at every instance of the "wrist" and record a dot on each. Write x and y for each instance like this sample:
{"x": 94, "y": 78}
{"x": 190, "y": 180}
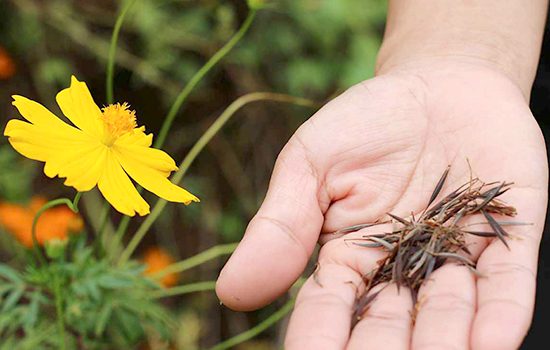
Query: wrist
{"x": 504, "y": 38}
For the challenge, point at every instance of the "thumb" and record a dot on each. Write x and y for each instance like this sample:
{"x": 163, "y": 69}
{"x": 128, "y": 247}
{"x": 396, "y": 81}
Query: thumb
{"x": 280, "y": 238}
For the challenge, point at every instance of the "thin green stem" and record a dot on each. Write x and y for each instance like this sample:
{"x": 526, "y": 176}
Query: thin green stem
{"x": 271, "y": 320}
{"x": 252, "y": 332}
{"x": 73, "y": 205}
{"x": 109, "y": 88}
{"x": 80, "y": 34}
{"x": 198, "y": 77}
{"x": 198, "y": 147}
{"x": 196, "y": 260}
{"x": 59, "y": 309}
{"x": 185, "y": 289}
{"x": 103, "y": 221}
{"x": 121, "y": 230}
{"x": 180, "y": 99}
{"x": 112, "y": 52}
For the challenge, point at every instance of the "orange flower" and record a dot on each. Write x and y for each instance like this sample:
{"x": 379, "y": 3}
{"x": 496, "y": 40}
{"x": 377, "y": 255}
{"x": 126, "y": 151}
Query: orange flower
{"x": 56, "y": 222}
{"x": 158, "y": 259}
{"x": 7, "y": 66}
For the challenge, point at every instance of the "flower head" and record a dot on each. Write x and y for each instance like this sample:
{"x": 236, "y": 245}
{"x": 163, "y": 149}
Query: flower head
{"x": 117, "y": 120}
{"x": 103, "y": 148}
{"x": 157, "y": 259}
{"x": 54, "y": 223}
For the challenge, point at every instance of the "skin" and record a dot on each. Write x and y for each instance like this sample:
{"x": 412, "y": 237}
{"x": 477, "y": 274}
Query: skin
{"x": 440, "y": 97}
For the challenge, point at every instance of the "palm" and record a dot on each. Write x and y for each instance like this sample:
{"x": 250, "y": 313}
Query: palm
{"x": 381, "y": 147}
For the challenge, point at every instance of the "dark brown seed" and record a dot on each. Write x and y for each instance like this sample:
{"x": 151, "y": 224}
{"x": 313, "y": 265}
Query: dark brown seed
{"x": 466, "y": 261}
{"x": 401, "y": 220}
{"x": 354, "y": 228}
{"x": 418, "y": 247}
{"x": 368, "y": 245}
{"x": 489, "y": 195}
{"x": 430, "y": 267}
{"x": 361, "y": 306}
{"x": 481, "y": 234}
{"x": 439, "y": 186}
{"x": 499, "y": 231}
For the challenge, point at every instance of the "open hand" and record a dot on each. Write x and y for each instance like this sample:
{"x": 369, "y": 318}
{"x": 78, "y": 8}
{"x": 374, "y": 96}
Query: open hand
{"x": 381, "y": 147}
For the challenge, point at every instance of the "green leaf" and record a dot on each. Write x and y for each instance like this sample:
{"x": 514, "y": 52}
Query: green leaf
{"x": 79, "y": 289}
{"x": 32, "y": 314}
{"x": 80, "y": 252}
{"x": 103, "y": 319}
{"x": 113, "y": 282}
{"x": 12, "y": 299}
{"x": 130, "y": 325}
{"x": 92, "y": 289}
{"x": 10, "y": 274}
{"x": 135, "y": 270}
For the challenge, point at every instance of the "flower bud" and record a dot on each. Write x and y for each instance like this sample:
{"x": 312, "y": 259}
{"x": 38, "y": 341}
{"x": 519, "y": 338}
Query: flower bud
{"x": 55, "y": 248}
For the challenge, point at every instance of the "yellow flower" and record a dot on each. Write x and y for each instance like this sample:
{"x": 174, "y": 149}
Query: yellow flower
{"x": 103, "y": 149}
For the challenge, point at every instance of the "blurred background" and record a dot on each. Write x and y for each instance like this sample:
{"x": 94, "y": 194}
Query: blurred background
{"x": 307, "y": 48}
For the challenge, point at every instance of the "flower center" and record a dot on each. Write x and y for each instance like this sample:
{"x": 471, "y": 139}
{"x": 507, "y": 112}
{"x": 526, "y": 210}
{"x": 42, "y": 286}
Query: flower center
{"x": 117, "y": 121}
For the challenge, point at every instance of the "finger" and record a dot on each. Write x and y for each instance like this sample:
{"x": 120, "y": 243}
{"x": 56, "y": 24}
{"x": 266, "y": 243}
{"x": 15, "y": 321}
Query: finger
{"x": 325, "y": 305}
{"x": 280, "y": 238}
{"x": 445, "y": 310}
{"x": 322, "y": 316}
{"x": 387, "y": 322}
{"x": 506, "y": 294}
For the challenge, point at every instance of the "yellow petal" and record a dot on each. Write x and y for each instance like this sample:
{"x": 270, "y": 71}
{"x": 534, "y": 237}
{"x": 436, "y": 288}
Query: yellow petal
{"x": 151, "y": 179}
{"x": 77, "y": 104}
{"x": 37, "y": 114}
{"x": 150, "y": 157}
{"x": 42, "y": 143}
{"x": 117, "y": 188}
{"x": 82, "y": 166}
{"x": 136, "y": 137}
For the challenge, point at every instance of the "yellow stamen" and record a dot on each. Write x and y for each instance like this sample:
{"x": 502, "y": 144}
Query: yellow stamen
{"x": 117, "y": 121}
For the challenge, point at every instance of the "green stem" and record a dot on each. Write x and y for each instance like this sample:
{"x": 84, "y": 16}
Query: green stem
{"x": 271, "y": 320}
{"x": 196, "y": 260}
{"x": 73, "y": 205}
{"x": 198, "y": 77}
{"x": 262, "y": 326}
{"x": 112, "y": 52}
{"x": 59, "y": 309}
{"x": 109, "y": 87}
{"x": 198, "y": 147}
{"x": 121, "y": 230}
{"x": 180, "y": 99}
{"x": 185, "y": 289}
{"x": 103, "y": 221}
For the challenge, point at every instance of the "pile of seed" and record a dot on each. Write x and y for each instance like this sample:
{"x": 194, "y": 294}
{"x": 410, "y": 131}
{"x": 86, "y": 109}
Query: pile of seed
{"x": 417, "y": 247}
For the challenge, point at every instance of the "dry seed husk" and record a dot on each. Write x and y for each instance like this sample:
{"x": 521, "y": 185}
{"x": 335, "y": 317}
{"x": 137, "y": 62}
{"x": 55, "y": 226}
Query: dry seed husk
{"x": 417, "y": 247}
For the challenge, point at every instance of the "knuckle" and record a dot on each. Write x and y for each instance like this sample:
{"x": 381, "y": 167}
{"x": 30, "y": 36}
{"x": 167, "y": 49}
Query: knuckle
{"x": 286, "y": 230}
{"x": 446, "y": 302}
{"x": 507, "y": 268}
